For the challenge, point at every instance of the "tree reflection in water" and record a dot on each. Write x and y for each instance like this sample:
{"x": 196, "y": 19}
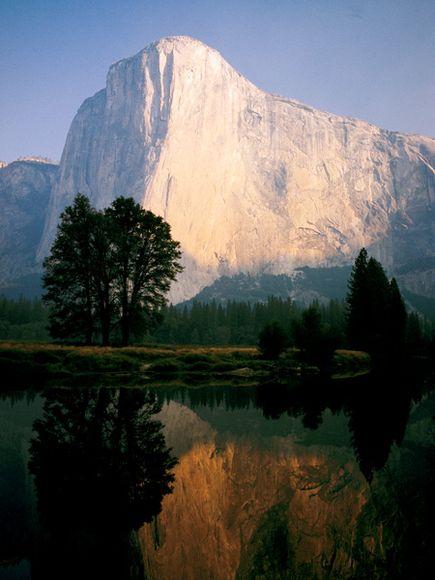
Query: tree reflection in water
{"x": 101, "y": 470}
{"x": 395, "y": 532}
{"x": 377, "y": 406}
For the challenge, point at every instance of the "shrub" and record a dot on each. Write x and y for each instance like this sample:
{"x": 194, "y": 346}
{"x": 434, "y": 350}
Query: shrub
{"x": 97, "y": 363}
{"x": 165, "y": 366}
{"x": 316, "y": 341}
{"x": 200, "y": 366}
{"x": 222, "y": 367}
{"x": 272, "y": 341}
{"x": 192, "y": 358}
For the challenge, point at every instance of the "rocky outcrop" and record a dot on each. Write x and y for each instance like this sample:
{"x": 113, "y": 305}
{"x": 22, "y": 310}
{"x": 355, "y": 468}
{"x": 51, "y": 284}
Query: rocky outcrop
{"x": 25, "y": 187}
{"x": 249, "y": 181}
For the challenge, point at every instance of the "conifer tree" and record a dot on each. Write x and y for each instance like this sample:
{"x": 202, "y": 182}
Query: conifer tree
{"x": 396, "y": 316}
{"x": 376, "y": 313}
{"x": 314, "y": 338}
{"x": 377, "y": 305}
{"x": 357, "y": 328}
{"x": 414, "y": 334}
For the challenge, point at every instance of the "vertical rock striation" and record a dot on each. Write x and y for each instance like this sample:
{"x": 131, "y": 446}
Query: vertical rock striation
{"x": 249, "y": 181}
{"x": 239, "y": 502}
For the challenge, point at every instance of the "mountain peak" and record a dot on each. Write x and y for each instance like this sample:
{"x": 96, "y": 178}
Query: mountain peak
{"x": 182, "y": 45}
{"x": 186, "y": 46}
{"x": 180, "y": 42}
{"x": 250, "y": 182}
{"x": 29, "y": 159}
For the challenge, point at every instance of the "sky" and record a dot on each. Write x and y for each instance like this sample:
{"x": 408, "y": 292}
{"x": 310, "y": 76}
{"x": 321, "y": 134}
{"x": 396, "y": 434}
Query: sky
{"x": 371, "y": 59}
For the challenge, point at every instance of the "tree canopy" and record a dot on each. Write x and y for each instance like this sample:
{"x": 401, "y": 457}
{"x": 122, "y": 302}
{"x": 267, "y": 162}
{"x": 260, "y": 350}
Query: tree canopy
{"x": 108, "y": 272}
{"x": 272, "y": 341}
{"x": 316, "y": 340}
{"x": 376, "y": 313}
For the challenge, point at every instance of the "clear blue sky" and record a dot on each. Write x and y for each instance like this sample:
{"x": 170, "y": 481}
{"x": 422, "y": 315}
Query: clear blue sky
{"x": 372, "y": 59}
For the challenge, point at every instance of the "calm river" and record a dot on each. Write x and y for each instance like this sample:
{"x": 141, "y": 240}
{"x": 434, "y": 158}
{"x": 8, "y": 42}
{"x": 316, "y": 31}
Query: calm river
{"x": 317, "y": 479}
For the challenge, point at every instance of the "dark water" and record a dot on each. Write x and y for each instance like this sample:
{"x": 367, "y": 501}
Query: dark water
{"x": 315, "y": 479}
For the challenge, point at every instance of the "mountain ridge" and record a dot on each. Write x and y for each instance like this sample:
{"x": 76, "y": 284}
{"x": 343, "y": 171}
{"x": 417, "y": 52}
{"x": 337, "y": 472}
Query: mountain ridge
{"x": 25, "y": 188}
{"x": 249, "y": 181}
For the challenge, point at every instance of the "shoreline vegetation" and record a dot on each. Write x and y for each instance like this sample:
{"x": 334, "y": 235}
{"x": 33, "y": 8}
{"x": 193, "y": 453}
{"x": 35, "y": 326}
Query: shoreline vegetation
{"x": 106, "y": 282}
{"x": 35, "y": 363}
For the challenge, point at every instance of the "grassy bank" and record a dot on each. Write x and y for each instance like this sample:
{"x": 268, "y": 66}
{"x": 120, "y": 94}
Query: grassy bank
{"x": 38, "y": 362}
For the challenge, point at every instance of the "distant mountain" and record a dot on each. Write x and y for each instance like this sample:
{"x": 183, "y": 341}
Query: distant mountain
{"x": 304, "y": 286}
{"x": 25, "y": 187}
{"x": 27, "y": 286}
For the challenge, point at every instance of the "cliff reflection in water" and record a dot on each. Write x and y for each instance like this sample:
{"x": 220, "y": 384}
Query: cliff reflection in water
{"x": 315, "y": 479}
{"x": 336, "y": 482}
{"x": 101, "y": 469}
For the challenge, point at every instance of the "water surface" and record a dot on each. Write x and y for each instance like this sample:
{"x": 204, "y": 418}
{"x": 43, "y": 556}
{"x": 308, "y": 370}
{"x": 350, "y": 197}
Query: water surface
{"x": 315, "y": 479}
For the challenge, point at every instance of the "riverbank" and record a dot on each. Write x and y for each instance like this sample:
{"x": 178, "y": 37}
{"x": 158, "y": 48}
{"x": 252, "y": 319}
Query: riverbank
{"x": 38, "y": 362}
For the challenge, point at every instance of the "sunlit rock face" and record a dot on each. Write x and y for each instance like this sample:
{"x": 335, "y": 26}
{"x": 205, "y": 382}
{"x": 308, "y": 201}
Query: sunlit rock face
{"x": 247, "y": 508}
{"x": 25, "y": 187}
{"x": 249, "y": 181}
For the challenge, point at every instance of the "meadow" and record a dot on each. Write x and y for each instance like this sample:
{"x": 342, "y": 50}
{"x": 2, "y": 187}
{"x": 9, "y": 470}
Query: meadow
{"x": 37, "y": 362}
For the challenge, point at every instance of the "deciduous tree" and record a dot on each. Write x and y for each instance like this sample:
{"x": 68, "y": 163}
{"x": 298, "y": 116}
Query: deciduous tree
{"x": 69, "y": 274}
{"x": 108, "y": 272}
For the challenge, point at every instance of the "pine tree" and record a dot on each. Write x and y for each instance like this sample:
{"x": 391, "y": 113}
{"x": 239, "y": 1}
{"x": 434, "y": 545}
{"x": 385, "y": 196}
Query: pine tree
{"x": 378, "y": 298}
{"x": 396, "y": 317}
{"x": 414, "y": 333}
{"x": 376, "y": 313}
{"x": 357, "y": 300}
{"x": 314, "y": 338}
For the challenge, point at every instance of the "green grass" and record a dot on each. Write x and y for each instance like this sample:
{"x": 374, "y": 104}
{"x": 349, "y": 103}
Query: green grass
{"x": 39, "y": 362}
{"x": 350, "y": 363}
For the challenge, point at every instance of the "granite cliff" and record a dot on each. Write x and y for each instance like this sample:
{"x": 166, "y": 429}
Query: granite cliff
{"x": 249, "y": 181}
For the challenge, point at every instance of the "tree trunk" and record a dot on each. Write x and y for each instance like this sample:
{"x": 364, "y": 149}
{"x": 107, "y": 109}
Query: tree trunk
{"x": 88, "y": 337}
{"x": 89, "y": 329}
{"x": 105, "y": 331}
{"x": 105, "y": 319}
{"x": 125, "y": 330}
{"x": 125, "y": 315}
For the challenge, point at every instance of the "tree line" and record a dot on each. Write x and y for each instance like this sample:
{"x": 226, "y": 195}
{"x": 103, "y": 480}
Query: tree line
{"x": 23, "y": 319}
{"x": 239, "y": 323}
{"x": 109, "y": 271}
{"x": 373, "y": 319}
